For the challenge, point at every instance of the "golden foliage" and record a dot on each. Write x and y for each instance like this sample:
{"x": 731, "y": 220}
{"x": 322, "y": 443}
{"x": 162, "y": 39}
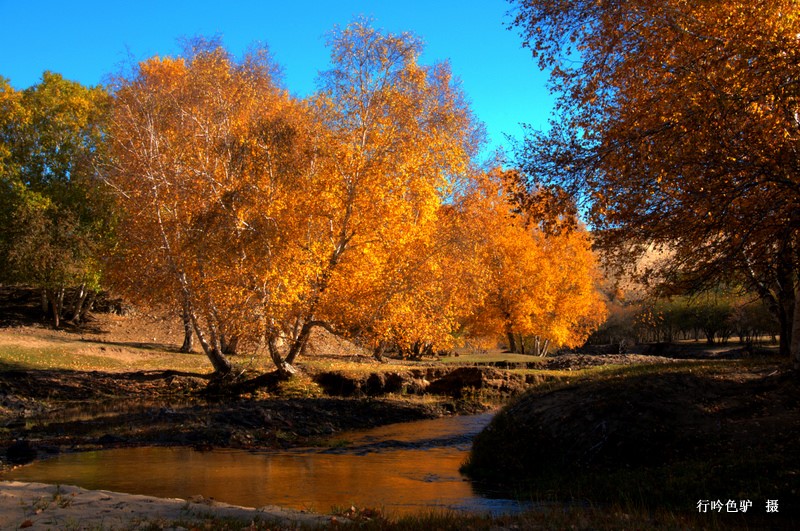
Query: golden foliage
{"x": 537, "y": 284}
{"x": 269, "y": 216}
{"x": 678, "y": 123}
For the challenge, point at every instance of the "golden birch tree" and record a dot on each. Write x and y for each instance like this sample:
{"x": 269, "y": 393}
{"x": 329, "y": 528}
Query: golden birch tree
{"x": 268, "y": 216}
{"x": 206, "y": 168}
{"x": 396, "y": 135}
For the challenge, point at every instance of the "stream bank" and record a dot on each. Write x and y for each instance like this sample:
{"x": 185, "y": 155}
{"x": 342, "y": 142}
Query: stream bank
{"x": 48, "y": 413}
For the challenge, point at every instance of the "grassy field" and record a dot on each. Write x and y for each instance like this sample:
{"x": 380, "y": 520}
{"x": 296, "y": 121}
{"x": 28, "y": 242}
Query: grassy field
{"x": 96, "y": 357}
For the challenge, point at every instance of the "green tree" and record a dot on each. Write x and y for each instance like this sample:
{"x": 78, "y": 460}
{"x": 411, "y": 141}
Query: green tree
{"x": 56, "y": 215}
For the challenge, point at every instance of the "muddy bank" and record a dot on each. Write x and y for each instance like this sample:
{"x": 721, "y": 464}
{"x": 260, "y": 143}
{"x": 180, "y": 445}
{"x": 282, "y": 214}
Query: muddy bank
{"x": 48, "y": 412}
{"x": 45, "y": 412}
{"x": 454, "y": 382}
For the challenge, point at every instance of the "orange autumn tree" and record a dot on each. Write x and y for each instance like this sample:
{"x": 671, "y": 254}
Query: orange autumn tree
{"x": 541, "y": 285}
{"x": 397, "y": 136}
{"x": 264, "y": 217}
{"x": 206, "y": 163}
{"x": 414, "y": 298}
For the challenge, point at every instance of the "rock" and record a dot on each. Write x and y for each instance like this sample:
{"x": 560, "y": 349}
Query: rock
{"x": 417, "y": 386}
{"x": 20, "y": 453}
{"x": 109, "y": 439}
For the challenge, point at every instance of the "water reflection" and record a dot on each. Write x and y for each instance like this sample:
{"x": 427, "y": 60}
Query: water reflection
{"x": 402, "y": 468}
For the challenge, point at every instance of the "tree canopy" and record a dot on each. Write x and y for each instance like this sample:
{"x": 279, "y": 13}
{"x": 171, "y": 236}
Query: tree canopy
{"x": 677, "y": 126}
{"x": 54, "y": 217}
{"x": 538, "y": 285}
{"x": 264, "y": 216}
{"x": 271, "y": 215}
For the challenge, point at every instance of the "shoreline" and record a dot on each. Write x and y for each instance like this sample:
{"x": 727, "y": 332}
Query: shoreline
{"x": 44, "y": 506}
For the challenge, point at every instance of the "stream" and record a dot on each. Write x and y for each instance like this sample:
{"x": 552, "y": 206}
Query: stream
{"x": 401, "y": 468}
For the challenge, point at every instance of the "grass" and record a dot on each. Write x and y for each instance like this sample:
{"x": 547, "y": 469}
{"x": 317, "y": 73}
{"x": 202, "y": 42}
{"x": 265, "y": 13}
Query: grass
{"x": 352, "y": 368}
{"x": 610, "y": 517}
{"x": 492, "y": 357}
{"x": 562, "y": 378}
{"x": 720, "y": 402}
{"x": 87, "y": 356}
{"x": 299, "y": 386}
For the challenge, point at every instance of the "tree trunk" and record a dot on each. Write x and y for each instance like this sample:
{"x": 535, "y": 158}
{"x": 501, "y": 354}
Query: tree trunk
{"x": 521, "y": 344}
{"x": 221, "y": 364}
{"x": 781, "y": 302}
{"x": 377, "y": 353}
{"x": 53, "y": 303}
{"x": 299, "y": 344}
{"x": 87, "y": 305}
{"x": 216, "y": 354}
{"x": 284, "y": 368}
{"x": 787, "y": 299}
{"x": 784, "y": 339}
{"x": 787, "y": 316}
{"x": 795, "y": 341}
{"x": 45, "y": 300}
{"x": 59, "y": 307}
{"x": 231, "y": 346}
{"x": 188, "y": 334}
{"x": 512, "y": 341}
{"x": 77, "y": 308}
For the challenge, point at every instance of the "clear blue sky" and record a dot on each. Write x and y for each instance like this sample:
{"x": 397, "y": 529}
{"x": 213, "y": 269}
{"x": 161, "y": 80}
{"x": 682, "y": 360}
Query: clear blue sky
{"x": 86, "y": 40}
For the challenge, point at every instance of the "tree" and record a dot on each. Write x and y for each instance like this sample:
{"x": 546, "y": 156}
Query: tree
{"x": 56, "y": 216}
{"x": 211, "y": 175}
{"x": 677, "y": 123}
{"x": 414, "y": 296}
{"x": 539, "y": 284}
{"x": 397, "y": 135}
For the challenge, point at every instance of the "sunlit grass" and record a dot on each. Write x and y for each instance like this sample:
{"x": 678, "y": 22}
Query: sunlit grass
{"x": 493, "y": 357}
{"x": 352, "y": 368}
{"x": 547, "y": 379}
{"x": 88, "y": 357}
{"x": 299, "y": 386}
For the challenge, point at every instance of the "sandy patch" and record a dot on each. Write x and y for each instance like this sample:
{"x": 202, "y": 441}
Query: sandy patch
{"x": 40, "y": 506}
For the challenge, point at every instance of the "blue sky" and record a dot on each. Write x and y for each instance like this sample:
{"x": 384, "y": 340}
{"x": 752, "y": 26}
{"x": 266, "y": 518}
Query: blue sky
{"x": 86, "y": 40}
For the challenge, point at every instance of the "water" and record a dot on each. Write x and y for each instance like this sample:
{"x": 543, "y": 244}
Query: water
{"x": 402, "y": 468}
